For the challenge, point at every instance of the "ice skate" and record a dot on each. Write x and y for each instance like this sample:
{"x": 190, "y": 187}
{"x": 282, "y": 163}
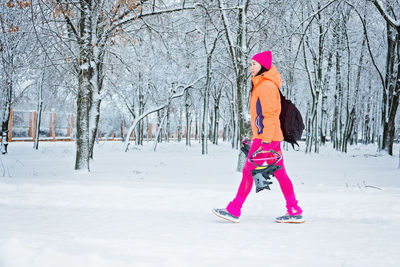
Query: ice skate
{"x": 224, "y": 214}
{"x": 290, "y": 219}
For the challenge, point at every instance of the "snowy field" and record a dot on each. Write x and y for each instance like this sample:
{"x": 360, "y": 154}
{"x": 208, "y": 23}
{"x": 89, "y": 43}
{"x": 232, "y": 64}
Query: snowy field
{"x": 154, "y": 209}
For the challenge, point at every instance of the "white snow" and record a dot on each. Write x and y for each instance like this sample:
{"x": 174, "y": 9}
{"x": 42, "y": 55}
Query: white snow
{"x": 84, "y": 66}
{"x": 145, "y": 208}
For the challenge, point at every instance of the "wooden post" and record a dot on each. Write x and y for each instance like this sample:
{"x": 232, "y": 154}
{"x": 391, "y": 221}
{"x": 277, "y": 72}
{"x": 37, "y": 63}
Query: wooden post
{"x": 69, "y": 126}
{"x": 30, "y": 125}
{"x": 142, "y": 135}
{"x": 133, "y": 135}
{"x": 51, "y": 125}
{"x": 150, "y": 131}
{"x": 54, "y": 127}
{"x": 112, "y": 136}
{"x": 10, "y": 125}
{"x": 123, "y": 129}
{"x": 72, "y": 125}
{"x": 34, "y": 126}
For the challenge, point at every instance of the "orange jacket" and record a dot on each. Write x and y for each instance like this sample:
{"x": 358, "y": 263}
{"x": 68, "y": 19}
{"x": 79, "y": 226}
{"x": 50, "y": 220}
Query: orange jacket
{"x": 265, "y": 106}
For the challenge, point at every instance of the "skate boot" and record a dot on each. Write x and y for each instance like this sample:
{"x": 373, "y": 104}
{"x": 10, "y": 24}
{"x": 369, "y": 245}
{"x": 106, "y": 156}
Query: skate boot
{"x": 287, "y": 218}
{"x": 224, "y": 214}
{"x": 294, "y": 213}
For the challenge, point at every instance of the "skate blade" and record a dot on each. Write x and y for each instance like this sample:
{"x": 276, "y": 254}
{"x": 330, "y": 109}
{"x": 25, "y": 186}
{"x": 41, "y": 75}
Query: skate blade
{"x": 225, "y": 218}
{"x": 295, "y": 222}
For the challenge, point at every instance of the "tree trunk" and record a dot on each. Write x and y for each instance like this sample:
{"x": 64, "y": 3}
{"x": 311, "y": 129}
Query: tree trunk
{"x": 368, "y": 114}
{"x": 349, "y": 110}
{"x": 355, "y": 107}
{"x": 187, "y": 114}
{"x": 140, "y": 128}
{"x": 324, "y": 103}
{"x": 354, "y": 131}
{"x": 311, "y": 122}
{"x": 196, "y": 130}
{"x": 242, "y": 69}
{"x": 204, "y": 131}
{"x": 238, "y": 54}
{"x": 216, "y": 122}
{"x": 94, "y": 119}
{"x": 211, "y": 127}
{"x": 6, "y": 114}
{"x": 39, "y": 110}
{"x": 390, "y": 57}
{"x": 159, "y": 131}
{"x": 85, "y": 90}
{"x": 168, "y": 128}
{"x": 82, "y": 130}
{"x": 393, "y": 99}
{"x": 338, "y": 95}
{"x": 206, "y": 95}
{"x": 391, "y": 83}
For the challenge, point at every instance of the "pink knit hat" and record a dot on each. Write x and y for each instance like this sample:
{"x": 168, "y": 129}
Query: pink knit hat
{"x": 264, "y": 58}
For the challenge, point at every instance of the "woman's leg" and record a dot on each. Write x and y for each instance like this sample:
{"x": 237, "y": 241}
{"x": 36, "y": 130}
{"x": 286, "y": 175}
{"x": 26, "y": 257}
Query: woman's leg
{"x": 285, "y": 184}
{"x": 235, "y": 206}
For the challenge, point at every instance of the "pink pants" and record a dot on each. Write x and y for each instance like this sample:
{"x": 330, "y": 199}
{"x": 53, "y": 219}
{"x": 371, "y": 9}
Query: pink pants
{"x": 246, "y": 184}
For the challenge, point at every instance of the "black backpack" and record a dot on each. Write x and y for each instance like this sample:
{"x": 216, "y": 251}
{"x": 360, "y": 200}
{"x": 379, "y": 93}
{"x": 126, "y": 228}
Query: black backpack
{"x": 291, "y": 121}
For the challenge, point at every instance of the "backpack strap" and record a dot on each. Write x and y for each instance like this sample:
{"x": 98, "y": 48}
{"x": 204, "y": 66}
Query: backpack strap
{"x": 282, "y": 96}
{"x": 295, "y": 143}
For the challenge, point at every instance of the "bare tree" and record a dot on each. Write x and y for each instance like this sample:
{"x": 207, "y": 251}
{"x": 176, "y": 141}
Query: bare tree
{"x": 391, "y": 80}
{"x": 15, "y": 32}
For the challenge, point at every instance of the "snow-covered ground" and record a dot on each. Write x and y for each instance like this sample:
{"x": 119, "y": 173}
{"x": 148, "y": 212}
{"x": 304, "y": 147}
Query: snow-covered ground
{"x": 145, "y": 208}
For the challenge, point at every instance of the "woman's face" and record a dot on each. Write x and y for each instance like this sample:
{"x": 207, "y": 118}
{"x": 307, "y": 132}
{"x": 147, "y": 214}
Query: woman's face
{"x": 255, "y": 68}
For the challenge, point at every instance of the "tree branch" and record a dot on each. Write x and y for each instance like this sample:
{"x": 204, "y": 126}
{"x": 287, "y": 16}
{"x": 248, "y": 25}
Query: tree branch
{"x": 69, "y": 22}
{"x": 123, "y": 21}
{"x": 368, "y": 45}
{"x": 394, "y": 23}
{"x": 145, "y": 114}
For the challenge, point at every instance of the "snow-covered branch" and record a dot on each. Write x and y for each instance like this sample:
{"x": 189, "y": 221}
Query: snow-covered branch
{"x": 145, "y": 114}
{"x": 124, "y": 20}
{"x": 386, "y": 16}
{"x": 227, "y": 28}
{"x": 312, "y": 17}
{"x": 368, "y": 44}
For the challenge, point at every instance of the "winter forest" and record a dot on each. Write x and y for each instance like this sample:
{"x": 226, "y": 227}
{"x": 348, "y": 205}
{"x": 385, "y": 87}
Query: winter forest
{"x": 122, "y": 123}
{"x": 183, "y": 66}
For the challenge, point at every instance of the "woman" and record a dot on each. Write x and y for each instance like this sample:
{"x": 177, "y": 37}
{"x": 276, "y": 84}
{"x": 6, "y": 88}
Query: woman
{"x": 265, "y": 108}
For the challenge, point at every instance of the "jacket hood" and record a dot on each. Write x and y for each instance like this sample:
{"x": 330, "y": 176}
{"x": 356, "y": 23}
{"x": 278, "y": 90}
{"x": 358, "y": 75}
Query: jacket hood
{"x": 272, "y": 75}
